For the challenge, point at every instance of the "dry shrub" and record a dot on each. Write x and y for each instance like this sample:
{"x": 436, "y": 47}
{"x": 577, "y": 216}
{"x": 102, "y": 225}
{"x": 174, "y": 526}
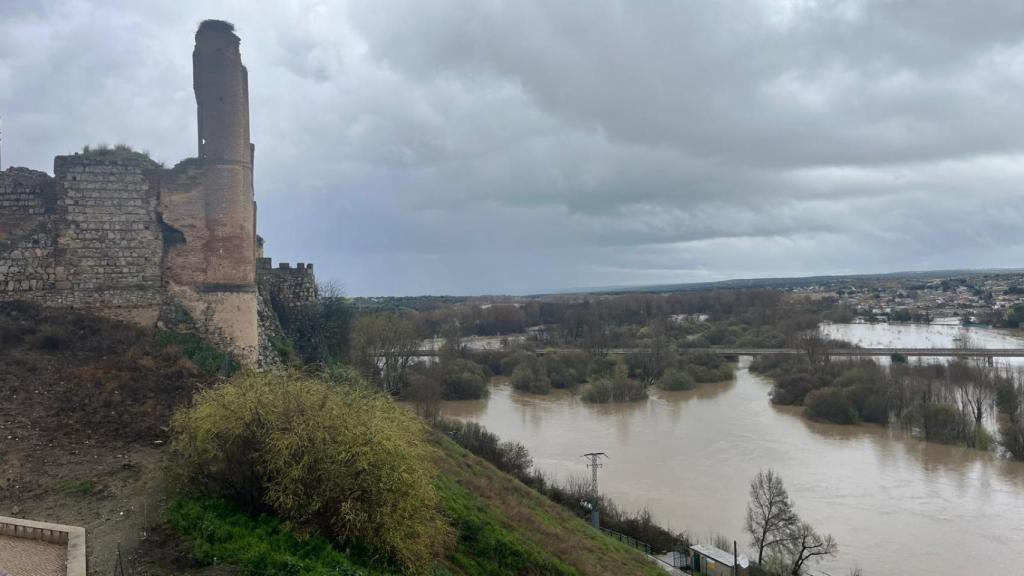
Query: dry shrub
{"x": 343, "y": 460}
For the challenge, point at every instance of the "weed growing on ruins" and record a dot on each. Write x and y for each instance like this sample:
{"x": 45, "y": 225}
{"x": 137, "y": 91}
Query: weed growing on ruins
{"x": 117, "y": 152}
{"x": 209, "y": 359}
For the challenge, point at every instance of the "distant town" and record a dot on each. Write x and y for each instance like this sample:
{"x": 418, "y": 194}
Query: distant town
{"x": 990, "y": 299}
{"x": 968, "y": 297}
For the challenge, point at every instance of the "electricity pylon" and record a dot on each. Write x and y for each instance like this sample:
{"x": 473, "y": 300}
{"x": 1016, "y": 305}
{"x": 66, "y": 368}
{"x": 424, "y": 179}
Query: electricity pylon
{"x": 595, "y": 463}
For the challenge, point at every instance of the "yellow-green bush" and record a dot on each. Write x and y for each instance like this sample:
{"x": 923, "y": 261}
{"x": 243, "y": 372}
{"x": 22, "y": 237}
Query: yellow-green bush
{"x": 342, "y": 460}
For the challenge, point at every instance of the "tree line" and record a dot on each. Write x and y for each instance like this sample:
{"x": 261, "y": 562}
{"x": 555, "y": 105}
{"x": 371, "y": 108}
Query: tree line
{"x": 961, "y": 401}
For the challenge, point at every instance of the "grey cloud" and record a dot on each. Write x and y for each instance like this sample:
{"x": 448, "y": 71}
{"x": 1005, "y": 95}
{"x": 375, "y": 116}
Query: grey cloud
{"x": 458, "y": 146}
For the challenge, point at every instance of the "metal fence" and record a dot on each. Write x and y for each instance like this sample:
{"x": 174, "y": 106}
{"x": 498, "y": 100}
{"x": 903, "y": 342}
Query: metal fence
{"x": 628, "y": 540}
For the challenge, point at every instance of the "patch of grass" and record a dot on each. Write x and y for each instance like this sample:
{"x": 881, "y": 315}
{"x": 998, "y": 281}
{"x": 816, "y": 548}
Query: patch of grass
{"x": 210, "y": 360}
{"x": 487, "y": 544}
{"x": 78, "y": 487}
{"x": 219, "y": 533}
{"x": 285, "y": 350}
{"x": 116, "y": 152}
{"x": 505, "y": 527}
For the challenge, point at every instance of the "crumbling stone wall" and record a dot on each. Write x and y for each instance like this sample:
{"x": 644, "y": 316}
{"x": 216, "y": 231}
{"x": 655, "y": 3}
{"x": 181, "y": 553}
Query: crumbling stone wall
{"x": 284, "y": 291}
{"x": 27, "y": 207}
{"x": 88, "y": 238}
{"x": 115, "y": 233}
{"x": 109, "y": 238}
{"x": 284, "y": 285}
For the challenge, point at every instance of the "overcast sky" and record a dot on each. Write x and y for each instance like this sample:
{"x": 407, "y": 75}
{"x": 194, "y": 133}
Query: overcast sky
{"x": 486, "y": 146}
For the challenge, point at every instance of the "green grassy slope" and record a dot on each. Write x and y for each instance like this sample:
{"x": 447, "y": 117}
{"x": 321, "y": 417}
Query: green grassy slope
{"x": 504, "y": 527}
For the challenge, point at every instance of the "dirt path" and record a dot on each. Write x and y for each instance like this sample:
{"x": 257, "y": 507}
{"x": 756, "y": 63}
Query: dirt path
{"x": 115, "y": 493}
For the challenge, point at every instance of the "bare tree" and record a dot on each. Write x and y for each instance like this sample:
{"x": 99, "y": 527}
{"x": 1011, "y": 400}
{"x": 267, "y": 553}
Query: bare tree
{"x": 770, "y": 515}
{"x": 383, "y": 346}
{"x": 655, "y": 357}
{"x": 805, "y": 545}
{"x": 975, "y": 383}
{"x": 425, "y": 393}
{"x": 816, "y": 346}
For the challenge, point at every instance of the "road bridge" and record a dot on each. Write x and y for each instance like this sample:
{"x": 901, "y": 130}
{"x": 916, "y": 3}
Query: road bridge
{"x": 832, "y": 352}
{"x": 853, "y": 352}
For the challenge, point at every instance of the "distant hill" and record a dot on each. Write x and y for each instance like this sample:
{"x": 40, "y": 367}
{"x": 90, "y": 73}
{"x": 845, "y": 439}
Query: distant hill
{"x": 421, "y": 303}
{"x": 791, "y": 281}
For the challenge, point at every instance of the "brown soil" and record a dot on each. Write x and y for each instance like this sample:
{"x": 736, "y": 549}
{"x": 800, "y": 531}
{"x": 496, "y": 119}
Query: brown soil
{"x": 84, "y": 409}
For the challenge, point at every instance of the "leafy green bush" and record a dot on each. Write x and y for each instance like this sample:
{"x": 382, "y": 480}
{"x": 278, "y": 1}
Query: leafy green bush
{"x": 510, "y": 457}
{"x": 707, "y": 367}
{"x": 462, "y": 380}
{"x": 793, "y": 389}
{"x": 342, "y": 460}
{"x": 871, "y": 401}
{"x": 220, "y": 532}
{"x": 943, "y": 423}
{"x": 512, "y": 361}
{"x": 831, "y": 405}
{"x": 675, "y": 379}
{"x": 618, "y": 388}
{"x": 530, "y": 378}
{"x": 457, "y": 378}
{"x": 566, "y": 369}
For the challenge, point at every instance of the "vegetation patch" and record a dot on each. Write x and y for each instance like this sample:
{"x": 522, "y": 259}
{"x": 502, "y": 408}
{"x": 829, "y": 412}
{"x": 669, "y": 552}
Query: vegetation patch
{"x": 218, "y": 532}
{"x": 345, "y": 461}
{"x": 209, "y": 359}
{"x": 117, "y": 152}
{"x": 78, "y": 487}
{"x": 617, "y": 388}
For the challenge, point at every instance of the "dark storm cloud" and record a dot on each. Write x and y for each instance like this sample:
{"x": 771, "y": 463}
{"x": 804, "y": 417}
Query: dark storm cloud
{"x": 466, "y": 146}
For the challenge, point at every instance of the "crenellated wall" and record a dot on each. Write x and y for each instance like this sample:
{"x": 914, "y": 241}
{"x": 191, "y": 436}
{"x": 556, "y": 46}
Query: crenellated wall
{"x": 283, "y": 291}
{"x": 284, "y": 285}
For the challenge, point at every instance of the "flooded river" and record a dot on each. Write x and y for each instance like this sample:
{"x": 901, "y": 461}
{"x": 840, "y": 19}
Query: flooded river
{"x": 896, "y": 505}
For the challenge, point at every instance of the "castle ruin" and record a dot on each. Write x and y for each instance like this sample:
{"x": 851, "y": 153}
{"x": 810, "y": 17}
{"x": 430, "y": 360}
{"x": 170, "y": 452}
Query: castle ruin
{"x": 113, "y": 232}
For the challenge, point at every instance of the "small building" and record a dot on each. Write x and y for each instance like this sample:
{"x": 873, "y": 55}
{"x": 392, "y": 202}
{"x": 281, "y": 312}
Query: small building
{"x": 706, "y": 559}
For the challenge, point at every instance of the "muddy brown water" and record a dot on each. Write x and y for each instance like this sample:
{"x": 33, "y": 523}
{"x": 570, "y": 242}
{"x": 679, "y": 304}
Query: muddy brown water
{"x": 897, "y": 505}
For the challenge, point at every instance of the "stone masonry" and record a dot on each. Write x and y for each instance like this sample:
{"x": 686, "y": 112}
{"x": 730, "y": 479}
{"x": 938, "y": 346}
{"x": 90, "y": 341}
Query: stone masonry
{"x": 115, "y": 233}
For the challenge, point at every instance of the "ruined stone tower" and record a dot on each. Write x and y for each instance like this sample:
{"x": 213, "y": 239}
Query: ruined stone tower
{"x": 115, "y": 233}
{"x": 217, "y": 260}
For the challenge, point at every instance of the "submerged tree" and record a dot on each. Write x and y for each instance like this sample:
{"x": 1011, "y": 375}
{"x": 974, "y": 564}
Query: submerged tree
{"x": 770, "y": 515}
{"x": 383, "y": 346}
{"x": 804, "y": 544}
